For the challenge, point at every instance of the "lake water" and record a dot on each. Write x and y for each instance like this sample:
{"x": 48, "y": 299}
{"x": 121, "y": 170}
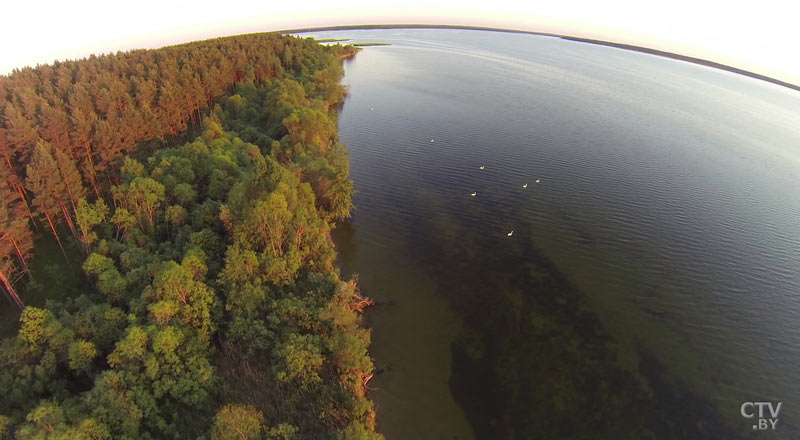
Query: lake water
{"x": 652, "y": 281}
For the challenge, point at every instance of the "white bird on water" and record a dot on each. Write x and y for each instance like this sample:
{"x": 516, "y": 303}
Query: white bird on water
{"x": 538, "y": 180}
{"x": 510, "y": 233}
{"x": 524, "y": 186}
{"x": 431, "y": 140}
{"x": 482, "y": 167}
{"x": 474, "y": 194}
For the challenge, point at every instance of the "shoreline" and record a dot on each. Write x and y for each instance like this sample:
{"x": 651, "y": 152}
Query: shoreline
{"x": 623, "y": 46}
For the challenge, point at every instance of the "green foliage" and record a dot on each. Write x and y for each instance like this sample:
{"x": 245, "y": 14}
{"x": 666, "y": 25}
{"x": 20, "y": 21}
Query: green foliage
{"x": 81, "y": 354}
{"x": 299, "y": 359}
{"x": 235, "y": 105}
{"x": 131, "y": 169}
{"x": 100, "y": 324}
{"x": 91, "y": 429}
{"x": 176, "y": 296}
{"x": 183, "y": 193}
{"x": 87, "y": 216}
{"x": 141, "y": 198}
{"x": 176, "y": 215}
{"x": 309, "y": 127}
{"x": 167, "y": 365}
{"x": 212, "y": 250}
{"x": 283, "y": 431}
{"x": 109, "y": 281}
{"x": 124, "y": 222}
{"x": 357, "y": 431}
{"x": 5, "y": 427}
{"x": 38, "y": 327}
{"x": 118, "y": 406}
{"x": 212, "y": 129}
{"x": 238, "y": 422}
{"x": 45, "y": 418}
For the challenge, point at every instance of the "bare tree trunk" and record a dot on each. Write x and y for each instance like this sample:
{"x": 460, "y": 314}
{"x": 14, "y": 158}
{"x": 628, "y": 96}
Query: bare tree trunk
{"x": 92, "y": 175}
{"x": 55, "y": 234}
{"x": 68, "y": 218}
{"x": 21, "y": 258}
{"x": 10, "y": 291}
{"x": 71, "y": 197}
{"x": 24, "y": 200}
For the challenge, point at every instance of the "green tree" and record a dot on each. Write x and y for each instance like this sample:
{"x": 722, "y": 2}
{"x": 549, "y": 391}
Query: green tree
{"x": 142, "y": 198}
{"x": 299, "y": 359}
{"x": 124, "y": 222}
{"x": 283, "y": 431}
{"x": 46, "y": 420}
{"x": 238, "y": 422}
{"x": 131, "y": 169}
{"x": 167, "y": 366}
{"x": 5, "y": 427}
{"x": 109, "y": 280}
{"x": 81, "y": 355}
{"x": 39, "y": 328}
{"x": 87, "y": 216}
{"x": 310, "y": 127}
{"x": 176, "y": 289}
{"x": 118, "y": 406}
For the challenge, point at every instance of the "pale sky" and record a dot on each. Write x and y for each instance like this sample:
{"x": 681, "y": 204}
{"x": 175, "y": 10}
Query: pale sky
{"x": 760, "y": 36}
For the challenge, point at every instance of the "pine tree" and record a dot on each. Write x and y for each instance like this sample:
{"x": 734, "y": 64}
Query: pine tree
{"x": 20, "y": 131}
{"x": 70, "y": 178}
{"x": 54, "y": 127}
{"x": 16, "y": 241}
{"x": 9, "y": 173}
{"x": 81, "y": 136}
{"x": 44, "y": 180}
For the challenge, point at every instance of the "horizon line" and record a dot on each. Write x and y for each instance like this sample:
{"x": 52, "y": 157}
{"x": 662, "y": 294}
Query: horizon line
{"x": 623, "y": 46}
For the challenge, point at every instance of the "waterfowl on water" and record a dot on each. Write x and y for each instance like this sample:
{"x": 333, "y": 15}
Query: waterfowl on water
{"x": 482, "y": 167}
{"x": 524, "y": 186}
{"x": 474, "y": 194}
{"x": 431, "y": 140}
{"x": 538, "y": 180}
{"x": 510, "y": 233}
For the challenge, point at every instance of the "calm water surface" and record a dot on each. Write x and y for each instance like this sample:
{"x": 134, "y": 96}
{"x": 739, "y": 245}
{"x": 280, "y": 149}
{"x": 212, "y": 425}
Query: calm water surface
{"x": 652, "y": 282}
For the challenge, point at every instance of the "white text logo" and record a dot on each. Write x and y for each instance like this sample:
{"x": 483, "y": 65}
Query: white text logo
{"x": 766, "y": 412}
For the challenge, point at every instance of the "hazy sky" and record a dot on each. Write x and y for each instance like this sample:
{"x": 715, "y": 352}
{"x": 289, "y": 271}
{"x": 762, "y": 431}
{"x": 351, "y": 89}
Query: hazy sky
{"x": 760, "y": 36}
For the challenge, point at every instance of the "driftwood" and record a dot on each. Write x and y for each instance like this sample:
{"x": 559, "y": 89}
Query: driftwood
{"x": 361, "y": 303}
{"x": 367, "y": 379}
{"x": 365, "y": 383}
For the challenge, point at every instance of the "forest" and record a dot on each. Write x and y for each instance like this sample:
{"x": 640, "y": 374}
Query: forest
{"x": 165, "y": 247}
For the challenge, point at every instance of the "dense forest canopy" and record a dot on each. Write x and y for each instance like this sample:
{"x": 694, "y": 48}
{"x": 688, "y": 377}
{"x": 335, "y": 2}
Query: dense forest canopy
{"x": 200, "y": 182}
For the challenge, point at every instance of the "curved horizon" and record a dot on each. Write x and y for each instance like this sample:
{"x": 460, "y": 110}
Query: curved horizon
{"x": 614, "y": 44}
{"x": 618, "y": 45}
{"x": 757, "y": 38}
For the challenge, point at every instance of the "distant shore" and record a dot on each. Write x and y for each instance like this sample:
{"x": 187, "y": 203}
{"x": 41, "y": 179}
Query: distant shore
{"x": 634, "y": 48}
